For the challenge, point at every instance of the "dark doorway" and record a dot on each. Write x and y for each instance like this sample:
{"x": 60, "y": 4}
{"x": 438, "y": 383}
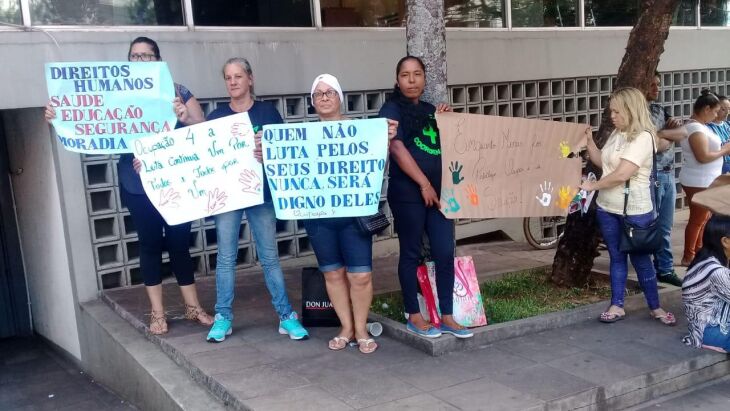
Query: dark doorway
{"x": 14, "y": 312}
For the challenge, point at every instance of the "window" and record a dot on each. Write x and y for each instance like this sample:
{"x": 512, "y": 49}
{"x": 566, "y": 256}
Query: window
{"x": 544, "y": 13}
{"x": 268, "y": 13}
{"x": 474, "y": 13}
{"x": 363, "y": 13}
{"x": 608, "y": 13}
{"x": 10, "y": 12}
{"x": 686, "y": 14}
{"x": 715, "y": 12}
{"x": 107, "y": 12}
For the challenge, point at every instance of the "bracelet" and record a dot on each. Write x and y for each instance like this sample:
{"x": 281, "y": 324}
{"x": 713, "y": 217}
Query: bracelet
{"x": 426, "y": 187}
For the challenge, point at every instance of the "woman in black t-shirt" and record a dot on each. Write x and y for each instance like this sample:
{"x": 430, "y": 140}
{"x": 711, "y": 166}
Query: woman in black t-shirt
{"x": 413, "y": 195}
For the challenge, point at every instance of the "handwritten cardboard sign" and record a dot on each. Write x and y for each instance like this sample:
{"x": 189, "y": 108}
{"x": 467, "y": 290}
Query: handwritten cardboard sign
{"x": 101, "y": 107}
{"x": 508, "y": 167}
{"x": 325, "y": 169}
{"x": 201, "y": 170}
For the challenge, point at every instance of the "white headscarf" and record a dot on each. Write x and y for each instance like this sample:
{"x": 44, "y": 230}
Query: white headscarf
{"x": 329, "y": 80}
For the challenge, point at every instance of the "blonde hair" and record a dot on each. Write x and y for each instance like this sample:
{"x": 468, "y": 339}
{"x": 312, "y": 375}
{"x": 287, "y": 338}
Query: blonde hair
{"x": 632, "y": 105}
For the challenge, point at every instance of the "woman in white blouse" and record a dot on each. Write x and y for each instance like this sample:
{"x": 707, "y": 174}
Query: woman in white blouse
{"x": 626, "y": 157}
{"x": 702, "y": 152}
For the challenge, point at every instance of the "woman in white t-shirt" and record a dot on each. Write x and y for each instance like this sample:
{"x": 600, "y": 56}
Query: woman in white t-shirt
{"x": 626, "y": 156}
{"x": 702, "y": 152}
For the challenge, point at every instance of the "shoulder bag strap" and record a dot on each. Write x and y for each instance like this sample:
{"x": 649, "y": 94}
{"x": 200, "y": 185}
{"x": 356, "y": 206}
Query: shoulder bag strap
{"x": 653, "y": 175}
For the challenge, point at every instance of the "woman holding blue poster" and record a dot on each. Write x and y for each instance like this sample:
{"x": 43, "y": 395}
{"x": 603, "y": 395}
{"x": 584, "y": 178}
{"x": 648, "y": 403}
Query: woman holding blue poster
{"x": 261, "y": 218}
{"x": 148, "y": 221}
{"x": 344, "y": 251}
{"x": 413, "y": 196}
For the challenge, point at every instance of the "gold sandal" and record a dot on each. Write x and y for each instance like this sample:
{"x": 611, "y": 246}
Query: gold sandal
{"x": 197, "y": 314}
{"x": 158, "y": 323}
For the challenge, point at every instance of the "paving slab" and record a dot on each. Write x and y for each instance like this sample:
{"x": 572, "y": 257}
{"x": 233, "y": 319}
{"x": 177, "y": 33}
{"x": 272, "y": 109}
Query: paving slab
{"x": 485, "y": 393}
{"x": 34, "y": 377}
{"x": 417, "y": 402}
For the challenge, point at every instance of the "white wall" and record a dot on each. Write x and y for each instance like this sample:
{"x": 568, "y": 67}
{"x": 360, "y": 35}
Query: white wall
{"x": 285, "y": 61}
{"x": 41, "y": 226}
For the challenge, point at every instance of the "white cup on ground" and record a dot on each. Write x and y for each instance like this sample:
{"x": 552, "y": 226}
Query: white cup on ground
{"x": 375, "y": 329}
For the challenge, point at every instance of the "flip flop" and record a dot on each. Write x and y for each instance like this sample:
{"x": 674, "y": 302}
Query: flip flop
{"x": 666, "y": 319}
{"x": 367, "y": 345}
{"x": 607, "y": 317}
{"x": 338, "y": 343}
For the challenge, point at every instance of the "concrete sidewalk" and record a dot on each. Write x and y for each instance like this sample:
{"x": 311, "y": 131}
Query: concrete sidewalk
{"x": 34, "y": 377}
{"x": 590, "y": 364}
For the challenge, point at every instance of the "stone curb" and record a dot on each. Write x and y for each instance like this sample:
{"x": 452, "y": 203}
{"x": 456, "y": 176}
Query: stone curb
{"x": 645, "y": 387}
{"x": 214, "y": 387}
{"x": 135, "y": 368}
{"x": 511, "y": 329}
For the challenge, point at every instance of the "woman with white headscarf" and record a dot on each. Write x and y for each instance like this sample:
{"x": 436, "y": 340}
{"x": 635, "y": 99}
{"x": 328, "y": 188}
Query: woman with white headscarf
{"x": 343, "y": 250}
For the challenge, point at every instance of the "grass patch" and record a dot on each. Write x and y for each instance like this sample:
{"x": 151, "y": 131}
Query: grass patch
{"x": 515, "y": 296}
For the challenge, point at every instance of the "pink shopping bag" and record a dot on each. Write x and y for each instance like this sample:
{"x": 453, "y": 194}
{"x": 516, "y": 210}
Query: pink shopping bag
{"x": 468, "y": 302}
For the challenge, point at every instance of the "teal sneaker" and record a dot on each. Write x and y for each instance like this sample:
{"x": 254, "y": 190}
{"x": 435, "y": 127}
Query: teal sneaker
{"x": 457, "y": 332}
{"x": 430, "y": 332}
{"x": 221, "y": 328}
{"x": 292, "y": 327}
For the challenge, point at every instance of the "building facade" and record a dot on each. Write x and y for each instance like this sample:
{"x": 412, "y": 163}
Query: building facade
{"x": 67, "y": 235}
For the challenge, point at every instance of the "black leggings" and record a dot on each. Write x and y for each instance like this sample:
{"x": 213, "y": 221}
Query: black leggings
{"x": 411, "y": 219}
{"x": 149, "y": 224}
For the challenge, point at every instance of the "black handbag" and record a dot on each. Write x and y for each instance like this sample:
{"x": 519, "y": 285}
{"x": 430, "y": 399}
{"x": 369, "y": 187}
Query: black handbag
{"x": 317, "y": 310}
{"x": 641, "y": 240}
{"x": 373, "y": 224}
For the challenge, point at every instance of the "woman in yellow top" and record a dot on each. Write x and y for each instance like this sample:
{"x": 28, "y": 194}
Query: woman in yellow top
{"x": 626, "y": 156}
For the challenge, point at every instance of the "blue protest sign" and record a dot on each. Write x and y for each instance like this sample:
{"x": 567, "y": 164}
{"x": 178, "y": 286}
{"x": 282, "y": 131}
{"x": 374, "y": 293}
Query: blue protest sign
{"x": 325, "y": 169}
{"x": 101, "y": 107}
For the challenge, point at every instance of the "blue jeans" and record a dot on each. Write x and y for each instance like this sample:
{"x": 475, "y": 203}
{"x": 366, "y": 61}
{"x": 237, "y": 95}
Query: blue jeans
{"x": 667, "y": 194}
{"x": 726, "y": 167}
{"x": 714, "y": 337}
{"x": 262, "y": 220}
{"x": 611, "y": 226}
{"x": 339, "y": 242}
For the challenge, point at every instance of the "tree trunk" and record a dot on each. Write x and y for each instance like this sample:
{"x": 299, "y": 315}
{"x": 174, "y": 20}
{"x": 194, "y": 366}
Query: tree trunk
{"x": 426, "y": 38}
{"x": 573, "y": 260}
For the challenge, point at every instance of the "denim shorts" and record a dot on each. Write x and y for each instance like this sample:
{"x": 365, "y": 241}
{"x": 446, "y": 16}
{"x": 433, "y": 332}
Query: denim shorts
{"x": 712, "y": 336}
{"x": 339, "y": 242}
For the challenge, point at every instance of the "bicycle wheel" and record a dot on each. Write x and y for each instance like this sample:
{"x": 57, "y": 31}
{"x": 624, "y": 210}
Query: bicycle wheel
{"x": 543, "y": 233}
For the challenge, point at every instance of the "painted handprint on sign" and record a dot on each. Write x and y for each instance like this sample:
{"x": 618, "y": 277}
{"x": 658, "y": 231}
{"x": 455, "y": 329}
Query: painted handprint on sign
{"x": 471, "y": 194}
{"x": 239, "y": 129}
{"x": 216, "y": 200}
{"x": 250, "y": 181}
{"x": 564, "y": 149}
{"x": 169, "y": 198}
{"x": 455, "y": 169}
{"x": 451, "y": 204}
{"x": 546, "y": 194}
{"x": 565, "y": 196}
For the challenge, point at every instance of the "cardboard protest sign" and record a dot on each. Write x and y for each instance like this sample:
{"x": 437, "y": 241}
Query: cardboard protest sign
{"x": 325, "y": 169}
{"x": 508, "y": 167}
{"x": 101, "y": 107}
{"x": 201, "y": 170}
